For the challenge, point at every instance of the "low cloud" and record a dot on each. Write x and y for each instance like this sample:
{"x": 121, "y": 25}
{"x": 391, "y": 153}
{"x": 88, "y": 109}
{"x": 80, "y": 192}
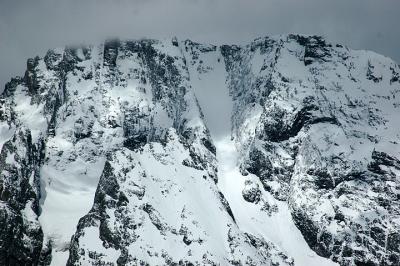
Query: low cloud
{"x": 28, "y": 28}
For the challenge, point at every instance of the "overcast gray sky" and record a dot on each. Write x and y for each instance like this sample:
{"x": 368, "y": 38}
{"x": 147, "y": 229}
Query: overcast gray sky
{"x": 30, "y": 27}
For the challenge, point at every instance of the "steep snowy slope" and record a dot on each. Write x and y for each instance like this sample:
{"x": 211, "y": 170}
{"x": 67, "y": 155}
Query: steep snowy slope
{"x": 208, "y": 76}
{"x": 157, "y": 202}
{"x": 319, "y": 126}
{"x": 284, "y": 151}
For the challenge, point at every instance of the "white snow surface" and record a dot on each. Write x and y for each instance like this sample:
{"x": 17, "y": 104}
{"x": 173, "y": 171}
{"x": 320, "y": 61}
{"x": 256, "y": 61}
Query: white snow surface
{"x": 278, "y": 227}
{"x": 90, "y": 130}
{"x": 212, "y": 92}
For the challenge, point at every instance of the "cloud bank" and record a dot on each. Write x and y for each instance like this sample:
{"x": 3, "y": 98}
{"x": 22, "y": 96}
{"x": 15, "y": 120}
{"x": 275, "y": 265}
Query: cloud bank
{"x": 28, "y": 28}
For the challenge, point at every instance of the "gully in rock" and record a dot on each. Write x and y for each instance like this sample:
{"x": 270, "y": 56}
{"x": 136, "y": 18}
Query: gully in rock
{"x": 282, "y": 151}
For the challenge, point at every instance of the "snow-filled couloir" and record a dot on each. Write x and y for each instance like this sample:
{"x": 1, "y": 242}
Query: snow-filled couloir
{"x": 284, "y": 151}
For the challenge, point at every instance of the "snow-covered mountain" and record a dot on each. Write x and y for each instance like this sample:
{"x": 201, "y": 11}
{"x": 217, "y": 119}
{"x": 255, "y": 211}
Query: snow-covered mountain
{"x": 285, "y": 151}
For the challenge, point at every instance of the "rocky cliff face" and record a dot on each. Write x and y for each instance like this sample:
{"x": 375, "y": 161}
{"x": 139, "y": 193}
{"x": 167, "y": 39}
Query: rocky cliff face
{"x": 326, "y": 141}
{"x": 107, "y": 156}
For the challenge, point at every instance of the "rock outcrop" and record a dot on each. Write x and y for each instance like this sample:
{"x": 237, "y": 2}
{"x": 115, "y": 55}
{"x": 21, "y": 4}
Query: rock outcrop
{"x": 106, "y": 157}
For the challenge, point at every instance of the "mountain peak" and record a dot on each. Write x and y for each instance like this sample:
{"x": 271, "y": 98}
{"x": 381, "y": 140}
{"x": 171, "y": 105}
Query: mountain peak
{"x": 282, "y": 151}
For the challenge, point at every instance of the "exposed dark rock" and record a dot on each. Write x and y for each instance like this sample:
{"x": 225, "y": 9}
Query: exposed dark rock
{"x": 371, "y": 75}
{"x": 21, "y": 237}
{"x": 226, "y": 205}
{"x": 382, "y": 159}
{"x": 251, "y": 192}
{"x": 306, "y": 137}
{"x": 30, "y": 78}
